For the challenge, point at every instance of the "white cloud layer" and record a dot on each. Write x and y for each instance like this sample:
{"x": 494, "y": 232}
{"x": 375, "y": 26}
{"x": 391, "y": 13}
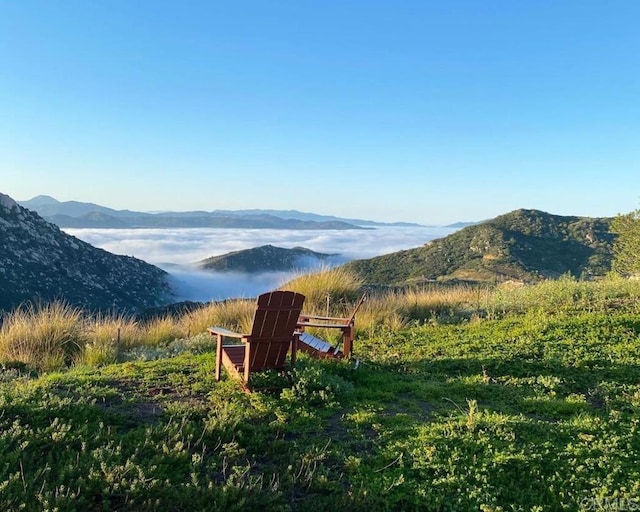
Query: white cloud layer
{"x": 176, "y": 250}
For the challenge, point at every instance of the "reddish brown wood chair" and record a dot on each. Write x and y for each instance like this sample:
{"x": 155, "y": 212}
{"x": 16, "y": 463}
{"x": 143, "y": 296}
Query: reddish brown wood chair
{"x": 320, "y": 348}
{"x": 273, "y": 335}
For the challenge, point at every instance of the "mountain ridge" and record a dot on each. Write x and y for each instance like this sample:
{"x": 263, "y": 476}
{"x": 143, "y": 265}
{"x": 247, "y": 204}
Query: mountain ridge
{"x": 75, "y": 214}
{"x": 101, "y": 220}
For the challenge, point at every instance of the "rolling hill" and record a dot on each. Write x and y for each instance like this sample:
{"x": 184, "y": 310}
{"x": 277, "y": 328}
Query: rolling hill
{"x": 523, "y": 245}
{"x": 266, "y": 258}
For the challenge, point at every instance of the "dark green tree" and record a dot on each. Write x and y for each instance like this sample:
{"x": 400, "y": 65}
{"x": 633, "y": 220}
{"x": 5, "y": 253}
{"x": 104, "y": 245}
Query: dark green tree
{"x": 626, "y": 247}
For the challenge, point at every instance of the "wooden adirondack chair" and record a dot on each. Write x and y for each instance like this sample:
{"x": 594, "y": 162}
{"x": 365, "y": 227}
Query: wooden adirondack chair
{"x": 320, "y": 348}
{"x": 272, "y": 336}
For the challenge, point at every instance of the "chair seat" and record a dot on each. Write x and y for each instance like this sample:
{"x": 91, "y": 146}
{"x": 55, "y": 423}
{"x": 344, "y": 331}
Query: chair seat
{"x": 234, "y": 355}
{"x": 316, "y": 346}
{"x": 316, "y": 343}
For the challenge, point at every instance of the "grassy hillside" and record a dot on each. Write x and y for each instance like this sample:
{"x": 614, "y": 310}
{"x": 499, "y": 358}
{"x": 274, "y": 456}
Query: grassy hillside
{"x": 524, "y": 245}
{"x": 510, "y": 399}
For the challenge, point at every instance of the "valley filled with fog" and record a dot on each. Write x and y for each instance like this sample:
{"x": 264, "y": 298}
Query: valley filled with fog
{"x": 177, "y": 251}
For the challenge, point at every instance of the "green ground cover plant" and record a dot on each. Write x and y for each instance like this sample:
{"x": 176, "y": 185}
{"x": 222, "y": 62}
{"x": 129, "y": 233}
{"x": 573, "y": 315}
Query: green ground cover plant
{"x": 514, "y": 398}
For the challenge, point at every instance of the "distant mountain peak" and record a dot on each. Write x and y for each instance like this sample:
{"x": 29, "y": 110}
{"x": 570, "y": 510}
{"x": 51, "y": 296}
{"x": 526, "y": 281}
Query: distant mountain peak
{"x": 44, "y": 199}
{"x": 7, "y": 202}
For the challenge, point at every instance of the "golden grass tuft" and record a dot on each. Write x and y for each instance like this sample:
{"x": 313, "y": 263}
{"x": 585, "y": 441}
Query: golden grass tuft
{"x": 45, "y": 336}
{"x": 234, "y": 314}
{"x": 398, "y": 308}
{"x": 328, "y": 285}
{"x": 121, "y": 329}
{"x": 162, "y": 330}
{"x": 107, "y": 336}
{"x": 434, "y": 300}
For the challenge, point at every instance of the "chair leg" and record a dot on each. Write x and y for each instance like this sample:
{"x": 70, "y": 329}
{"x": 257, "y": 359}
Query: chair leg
{"x": 247, "y": 363}
{"x": 218, "y": 357}
{"x": 294, "y": 349}
{"x": 347, "y": 340}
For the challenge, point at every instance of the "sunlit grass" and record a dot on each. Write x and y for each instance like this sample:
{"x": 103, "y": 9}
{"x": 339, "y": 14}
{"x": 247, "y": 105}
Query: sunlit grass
{"x": 397, "y": 309}
{"x": 568, "y": 293}
{"x": 123, "y": 330}
{"x": 54, "y": 336}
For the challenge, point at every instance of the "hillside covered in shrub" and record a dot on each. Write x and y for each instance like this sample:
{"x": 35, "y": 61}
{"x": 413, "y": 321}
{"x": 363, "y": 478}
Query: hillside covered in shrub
{"x": 523, "y": 245}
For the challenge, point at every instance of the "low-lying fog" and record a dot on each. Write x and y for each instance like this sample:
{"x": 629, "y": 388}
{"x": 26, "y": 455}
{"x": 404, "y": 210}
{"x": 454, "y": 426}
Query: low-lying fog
{"x": 176, "y": 250}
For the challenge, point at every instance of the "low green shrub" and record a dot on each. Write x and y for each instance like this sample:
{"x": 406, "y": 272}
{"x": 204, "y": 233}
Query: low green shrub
{"x": 314, "y": 385}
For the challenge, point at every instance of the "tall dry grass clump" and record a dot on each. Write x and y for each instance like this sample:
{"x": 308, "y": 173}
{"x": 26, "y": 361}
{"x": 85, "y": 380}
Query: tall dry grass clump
{"x": 162, "y": 330}
{"x": 106, "y": 336}
{"x": 396, "y": 309}
{"x": 421, "y": 304}
{"x": 122, "y": 329}
{"x": 234, "y": 314}
{"x": 43, "y": 336}
{"x": 336, "y": 287}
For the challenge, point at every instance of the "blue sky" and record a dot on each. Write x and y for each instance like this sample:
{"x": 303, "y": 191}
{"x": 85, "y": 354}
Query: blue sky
{"x": 422, "y": 111}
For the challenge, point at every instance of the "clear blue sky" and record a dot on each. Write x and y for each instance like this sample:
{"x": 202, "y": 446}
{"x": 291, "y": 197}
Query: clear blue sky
{"x": 421, "y": 111}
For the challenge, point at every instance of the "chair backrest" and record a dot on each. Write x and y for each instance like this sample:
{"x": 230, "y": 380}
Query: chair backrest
{"x": 362, "y": 299}
{"x": 274, "y": 324}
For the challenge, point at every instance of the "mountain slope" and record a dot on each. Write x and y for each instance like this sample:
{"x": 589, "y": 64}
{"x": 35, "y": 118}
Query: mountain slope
{"x": 40, "y": 262}
{"x": 263, "y": 259}
{"x": 524, "y": 245}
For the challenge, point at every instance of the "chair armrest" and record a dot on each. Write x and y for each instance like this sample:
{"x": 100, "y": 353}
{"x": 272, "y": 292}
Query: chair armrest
{"x": 307, "y": 318}
{"x": 322, "y": 325}
{"x": 221, "y": 331}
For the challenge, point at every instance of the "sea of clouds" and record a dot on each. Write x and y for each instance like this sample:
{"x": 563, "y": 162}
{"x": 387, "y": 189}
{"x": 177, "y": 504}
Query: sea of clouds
{"x": 177, "y": 250}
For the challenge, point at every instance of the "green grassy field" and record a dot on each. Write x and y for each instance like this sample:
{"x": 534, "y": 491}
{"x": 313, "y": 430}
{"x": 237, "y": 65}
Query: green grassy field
{"x": 506, "y": 400}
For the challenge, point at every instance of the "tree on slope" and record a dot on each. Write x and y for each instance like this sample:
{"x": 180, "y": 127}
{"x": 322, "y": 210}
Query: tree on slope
{"x": 626, "y": 248}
